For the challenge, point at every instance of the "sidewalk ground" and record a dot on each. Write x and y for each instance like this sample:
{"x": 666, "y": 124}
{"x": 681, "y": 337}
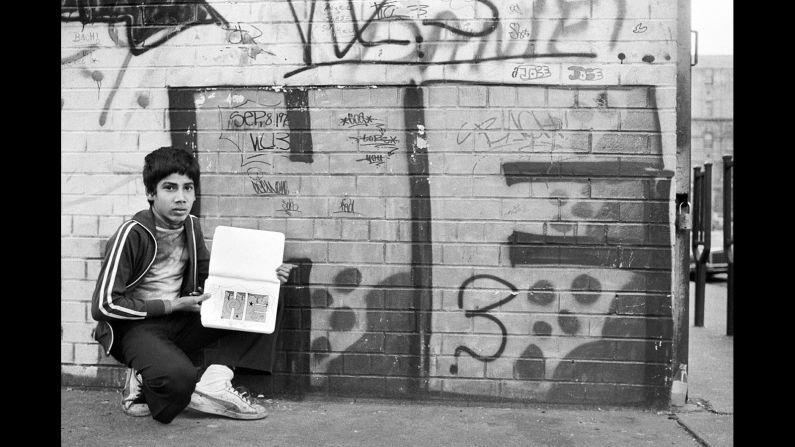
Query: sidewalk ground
{"x": 709, "y": 413}
{"x": 94, "y": 417}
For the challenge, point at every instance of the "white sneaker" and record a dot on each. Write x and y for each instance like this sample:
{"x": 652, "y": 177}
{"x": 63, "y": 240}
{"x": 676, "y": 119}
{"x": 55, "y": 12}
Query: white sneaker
{"x": 231, "y": 402}
{"x": 132, "y": 397}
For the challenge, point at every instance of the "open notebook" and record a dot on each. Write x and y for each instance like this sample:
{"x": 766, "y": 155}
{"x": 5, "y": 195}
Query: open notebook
{"x": 242, "y": 280}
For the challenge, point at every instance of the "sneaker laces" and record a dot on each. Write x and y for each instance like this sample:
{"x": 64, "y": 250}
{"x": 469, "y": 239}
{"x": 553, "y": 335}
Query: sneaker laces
{"x": 243, "y": 393}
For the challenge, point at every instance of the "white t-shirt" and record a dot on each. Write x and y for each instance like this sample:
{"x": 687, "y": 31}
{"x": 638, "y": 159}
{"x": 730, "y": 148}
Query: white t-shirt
{"x": 164, "y": 280}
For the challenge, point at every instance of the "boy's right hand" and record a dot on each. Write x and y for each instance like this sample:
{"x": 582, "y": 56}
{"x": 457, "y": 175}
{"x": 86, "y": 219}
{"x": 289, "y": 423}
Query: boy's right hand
{"x": 189, "y": 303}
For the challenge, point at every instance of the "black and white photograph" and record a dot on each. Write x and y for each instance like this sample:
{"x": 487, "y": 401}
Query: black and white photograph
{"x": 433, "y": 223}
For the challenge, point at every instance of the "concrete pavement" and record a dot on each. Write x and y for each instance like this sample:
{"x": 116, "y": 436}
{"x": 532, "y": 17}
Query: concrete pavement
{"x": 709, "y": 412}
{"x": 94, "y": 417}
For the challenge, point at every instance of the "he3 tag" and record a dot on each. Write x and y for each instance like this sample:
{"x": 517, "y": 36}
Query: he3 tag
{"x": 242, "y": 280}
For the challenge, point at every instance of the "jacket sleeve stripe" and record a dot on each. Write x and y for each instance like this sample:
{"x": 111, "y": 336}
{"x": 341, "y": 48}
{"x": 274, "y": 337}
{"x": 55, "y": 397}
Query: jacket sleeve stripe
{"x": 195, "y": 260}
{"x": 153, "y": 259}
{"x": 109, "y": 277}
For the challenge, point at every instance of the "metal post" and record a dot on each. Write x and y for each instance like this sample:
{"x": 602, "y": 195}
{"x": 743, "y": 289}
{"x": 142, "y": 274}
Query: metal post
{"x": 728, "y": 242}
{"x": 706, "y": 221}
{"x": 680, "y": 299}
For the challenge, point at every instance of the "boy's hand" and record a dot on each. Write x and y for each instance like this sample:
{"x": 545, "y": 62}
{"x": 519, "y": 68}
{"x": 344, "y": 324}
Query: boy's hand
{"x": 283, "y": 272}
{"x": 189, "y": 303}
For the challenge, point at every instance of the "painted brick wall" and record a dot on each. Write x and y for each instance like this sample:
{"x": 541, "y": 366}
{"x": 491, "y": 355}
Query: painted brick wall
{"x": 477, "y": 192}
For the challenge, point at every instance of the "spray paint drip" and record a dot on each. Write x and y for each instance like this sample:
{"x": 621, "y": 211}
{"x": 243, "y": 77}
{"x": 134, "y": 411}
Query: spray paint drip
{"x": 97, "y": 76}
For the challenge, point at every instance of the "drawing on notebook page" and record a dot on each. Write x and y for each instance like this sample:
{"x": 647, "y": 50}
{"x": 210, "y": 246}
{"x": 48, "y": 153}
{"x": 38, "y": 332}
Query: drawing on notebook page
{"x": 242, "y": 280}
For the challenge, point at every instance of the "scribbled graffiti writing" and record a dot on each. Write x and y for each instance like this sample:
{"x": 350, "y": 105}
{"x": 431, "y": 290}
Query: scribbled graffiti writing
{"x": 374, "y": 159}
{"x": 270, "y": 140}
{"x": 237, "y": 35}
{"x": 518, "y": 32}
{"x": 88, "y": 36}
{"x": 418, "y": 10}
{"x": 387, "y": 10}
{"x": 379, "y": 140}
{"x": 526, "y": 72}
{"x": 527, "y": 129}
{"x": 358, "y": 119}
{"x": 246, "y": 36}
{"x": 257, "y": 119}
{"x": 264, "y": 187}
{"x": 347, "y": 206}
{"x": 289, "y": 206}
{"x": 482, "y": 27}
{"x": 337, "y": 13}
{"x": 80, "y": 56}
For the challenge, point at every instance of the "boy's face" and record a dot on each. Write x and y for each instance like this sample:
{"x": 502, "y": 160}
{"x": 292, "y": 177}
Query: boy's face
{"x": 173, "y": 199}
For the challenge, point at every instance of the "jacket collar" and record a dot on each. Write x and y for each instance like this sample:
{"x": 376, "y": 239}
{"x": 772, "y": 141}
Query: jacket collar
{"x": 146, "y": 218}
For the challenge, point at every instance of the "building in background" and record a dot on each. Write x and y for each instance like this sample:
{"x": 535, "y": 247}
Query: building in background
{"x": 712, "y": 133}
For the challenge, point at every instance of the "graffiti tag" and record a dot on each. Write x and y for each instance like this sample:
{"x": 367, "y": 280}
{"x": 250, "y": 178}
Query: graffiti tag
{"x": 289, "y": 207}
{"x": 518, "y": 32}
{"x": 264, "y": 187}
{"x": 347, "y": 206}
{"x": 585, "y": 74}
{"x": 526, "y": 128}
{"x": 358, "y": 119}
{"x": 256, "y": 118}
{"x": 526, "y": 72}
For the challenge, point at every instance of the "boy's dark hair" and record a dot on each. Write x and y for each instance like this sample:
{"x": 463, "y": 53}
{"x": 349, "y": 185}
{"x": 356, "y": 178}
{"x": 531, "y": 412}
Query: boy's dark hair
{"x": 165, "y": 161}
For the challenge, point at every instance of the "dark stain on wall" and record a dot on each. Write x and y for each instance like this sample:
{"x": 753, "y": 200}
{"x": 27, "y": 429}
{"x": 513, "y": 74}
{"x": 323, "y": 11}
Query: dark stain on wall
{"x": 542, "y": 328}
{"x": 531, "y": 365}
{"x": 343, "y": 319}
{"x": 542, "y": 292}
{"x": 589, "y": 283}
{"x": 569, "y": 323}
{"x": 347, "y": 279}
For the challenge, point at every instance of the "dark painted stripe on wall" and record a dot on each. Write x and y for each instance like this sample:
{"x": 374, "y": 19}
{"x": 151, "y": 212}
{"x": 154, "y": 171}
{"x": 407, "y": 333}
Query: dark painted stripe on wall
{"x": 297, "y": 103}
{"x": 182, "y": 116}
{"x": 524, "y": 171}
{"x": 567, "y": 256}
{"x": 421, "y": 251}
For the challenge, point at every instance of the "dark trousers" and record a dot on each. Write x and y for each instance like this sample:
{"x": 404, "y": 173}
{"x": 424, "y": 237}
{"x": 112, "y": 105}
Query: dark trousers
{"x": 172, "y": 351}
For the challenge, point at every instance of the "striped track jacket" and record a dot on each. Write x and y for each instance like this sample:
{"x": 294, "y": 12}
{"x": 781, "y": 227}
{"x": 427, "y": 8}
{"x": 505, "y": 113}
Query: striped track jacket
{"x": 129, "y": 254}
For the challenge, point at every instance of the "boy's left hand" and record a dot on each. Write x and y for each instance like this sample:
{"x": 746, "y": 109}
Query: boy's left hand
{"x": 283, "y": 272}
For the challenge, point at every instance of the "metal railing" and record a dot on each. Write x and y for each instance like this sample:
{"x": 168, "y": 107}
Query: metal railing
{"x": 701, "y": 239}
{"x": 728, "y": 242}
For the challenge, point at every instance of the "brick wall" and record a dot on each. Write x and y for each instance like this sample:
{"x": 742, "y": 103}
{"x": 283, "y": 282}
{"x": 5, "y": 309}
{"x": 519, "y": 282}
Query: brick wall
{"x": 477, "y": 193}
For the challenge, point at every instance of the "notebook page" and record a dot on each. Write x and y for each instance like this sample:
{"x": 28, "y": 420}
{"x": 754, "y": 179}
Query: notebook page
{"x": 243, "y": 253}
